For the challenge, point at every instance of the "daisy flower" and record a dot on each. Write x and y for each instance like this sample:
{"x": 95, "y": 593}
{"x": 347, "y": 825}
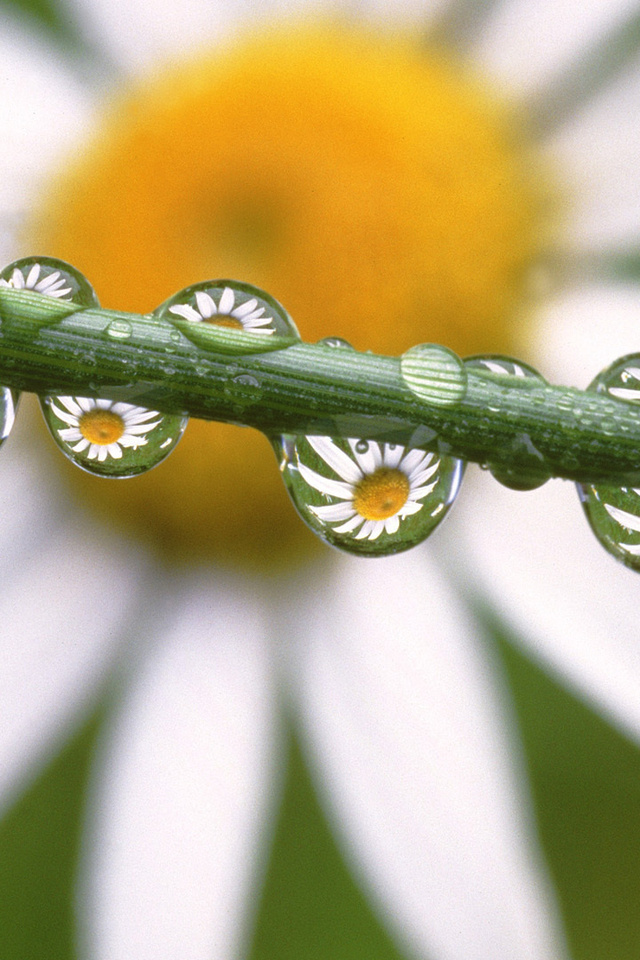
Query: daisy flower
{"x": 245, "y": 316}
{"x": 101, "y": 428}
{"x": 378, "y": 487}
{"x": 381, "y": 192}
{"x": 53, "y": 285}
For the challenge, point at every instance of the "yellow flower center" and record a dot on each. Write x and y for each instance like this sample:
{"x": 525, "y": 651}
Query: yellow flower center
{"x": 372, "y": 186}
{"x": 222, "y": 321}
{"x": 381, "y": 494}
{"x": 101, "y": 426}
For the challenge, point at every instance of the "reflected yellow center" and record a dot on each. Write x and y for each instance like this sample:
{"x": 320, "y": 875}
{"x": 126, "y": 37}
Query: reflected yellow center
{"x": 371, "y": 185}
{"x": 101, "y": 426}
{"x": 225, "y": 321}
{"x": 381, "y": 494}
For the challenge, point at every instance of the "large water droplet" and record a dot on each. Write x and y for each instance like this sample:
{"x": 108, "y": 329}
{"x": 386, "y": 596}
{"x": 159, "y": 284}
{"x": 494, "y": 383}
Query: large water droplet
{"x": 229, "y": 317}
{"x": 435, "y": 374}
{"x": 526, "y": 469}
{"x": 368, "y": 498}
{"x": 50, "y": 277}
{"x": 614, "y": 512}
{"x": 111, "y": 438}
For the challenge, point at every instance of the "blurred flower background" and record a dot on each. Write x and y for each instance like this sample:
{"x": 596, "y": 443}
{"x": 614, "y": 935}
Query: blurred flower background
{"x": 216, "y": 741}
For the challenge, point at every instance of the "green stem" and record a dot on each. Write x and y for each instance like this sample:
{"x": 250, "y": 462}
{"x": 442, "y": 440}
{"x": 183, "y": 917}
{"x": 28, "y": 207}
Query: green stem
{"x": 523, "y": 428}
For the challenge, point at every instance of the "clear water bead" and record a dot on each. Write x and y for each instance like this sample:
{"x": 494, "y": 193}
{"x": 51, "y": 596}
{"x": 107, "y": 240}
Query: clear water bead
{"x": 526, "y": 469}
{"x": 111, "y": 438}
{"x": 435, "y": 374}
{"x": 368, "y": 498}
{"x": 50, "y": 277}
{"x": 614, "y": 512}
{"x": 229, "y": 317}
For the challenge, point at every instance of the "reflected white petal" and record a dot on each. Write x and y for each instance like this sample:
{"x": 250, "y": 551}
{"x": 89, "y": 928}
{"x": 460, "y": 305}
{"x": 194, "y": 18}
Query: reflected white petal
{"x": 403, "y": 716}
{"x": 184, "y": 783}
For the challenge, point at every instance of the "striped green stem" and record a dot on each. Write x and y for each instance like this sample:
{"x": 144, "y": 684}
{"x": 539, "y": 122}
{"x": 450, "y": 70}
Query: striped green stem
{"x": 428, "y": 398}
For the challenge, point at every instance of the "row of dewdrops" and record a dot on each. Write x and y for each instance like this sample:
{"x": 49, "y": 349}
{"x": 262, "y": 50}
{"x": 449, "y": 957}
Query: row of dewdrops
{"x": 364, "y": 497}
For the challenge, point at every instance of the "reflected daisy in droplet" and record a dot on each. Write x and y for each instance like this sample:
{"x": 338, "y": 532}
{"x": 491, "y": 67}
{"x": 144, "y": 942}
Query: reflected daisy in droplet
{"x": 365, "y": 223}
{"x": 377, "y": 489}
{"x": 52, "y": 284}
{"x": 245, "y": 316}
{"x": 101, "y": 428}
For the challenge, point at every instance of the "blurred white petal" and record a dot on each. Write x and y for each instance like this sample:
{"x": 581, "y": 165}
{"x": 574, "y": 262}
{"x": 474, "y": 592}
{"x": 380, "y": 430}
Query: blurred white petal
{"x": 137, "y": 33}
{"x": 568, "y": 601}
{"x": 527, "y": 43}
{"x": 43, "y": 112}
{"x": 68, "y": 594}
{"x": 582, "y": 331}
{"x": 404, "y": 716}
{"x": 183, "y": 784}
{"x": 598, "y": 156}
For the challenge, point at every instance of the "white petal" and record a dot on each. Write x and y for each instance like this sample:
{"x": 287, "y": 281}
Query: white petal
{"x": 404, "y": 718}
{"x": 371, "y": 458}
{"x": 567, "y": 600}
{"x": 245, "y": 308}
{"x": 186, "y": 311}
{"x": 562, "y": 31}
{"x": 350, "y": 525}
{"x": 346, "y": 468}
{"x": 582, "y": 332}
{"x": 334, "y": 511}
{"x": 332, "y": 488}
{"x": 184, "y": 784}
{"x": 392, "y": 454}
{"x": 43, "y": 111}
{"x": 137, "y": 32}
{"x": 206, "y": 306}
{"x": 598, "y": 156}
{"x": 68, "y": 590}
{"x": 227, "y": 300}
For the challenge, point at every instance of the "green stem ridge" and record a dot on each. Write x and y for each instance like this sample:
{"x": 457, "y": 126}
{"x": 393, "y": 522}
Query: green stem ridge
{"x": 283, "y": 386}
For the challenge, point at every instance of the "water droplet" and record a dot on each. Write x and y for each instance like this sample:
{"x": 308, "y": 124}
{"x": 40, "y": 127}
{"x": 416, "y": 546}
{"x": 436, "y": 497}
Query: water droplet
{"x": 119, "y": 330}
{"x": 525, "y": 469}
{"x": 503, "y": 366}
{"x": 336, "y": 342}
{"x": 8, "y": 406}
{"x": 111, "y": 438}
{"x": 434, "y": 373}
{"x": 229, "y": 317}
{"x": 614, "y": 512}
{"x": 614, "y": 516}
{"x": 368, "y": 498}
{"x": 50, "y": 277}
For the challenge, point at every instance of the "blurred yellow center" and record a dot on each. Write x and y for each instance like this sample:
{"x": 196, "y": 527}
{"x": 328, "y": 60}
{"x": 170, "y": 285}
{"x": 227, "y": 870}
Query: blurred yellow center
{"x": 381, "y": 494}
{"x": 101, "y": 426}
{"x": 372, "y": 186}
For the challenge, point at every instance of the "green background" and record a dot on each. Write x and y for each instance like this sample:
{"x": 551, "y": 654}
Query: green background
{"x": 585, "y": 779}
